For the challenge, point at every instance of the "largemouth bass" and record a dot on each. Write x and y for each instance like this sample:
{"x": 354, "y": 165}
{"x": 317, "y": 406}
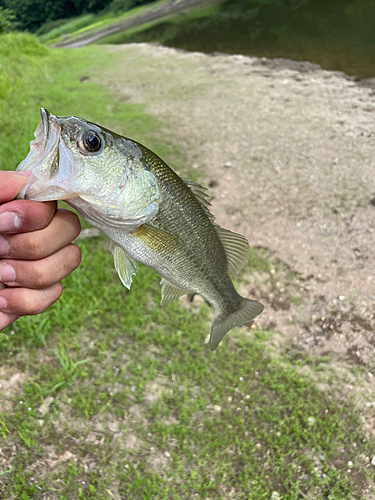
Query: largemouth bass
{"x": 149, "y": 213}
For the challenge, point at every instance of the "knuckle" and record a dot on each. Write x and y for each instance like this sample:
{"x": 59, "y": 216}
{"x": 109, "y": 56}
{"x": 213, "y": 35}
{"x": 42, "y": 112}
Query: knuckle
{"x": 71, "y": 220}
{"x": 33, "y": 247}
{"x": 39, "y": 301}
{"x": 76, "y": 226}
{"x": 72, "y": 258}
{"x": 56, "y": 292}
{"x": 38, "y": 215}
{"x": 40, "y": 277}
{"x": 32, "y": 304}
{"x": 76, "y": 256}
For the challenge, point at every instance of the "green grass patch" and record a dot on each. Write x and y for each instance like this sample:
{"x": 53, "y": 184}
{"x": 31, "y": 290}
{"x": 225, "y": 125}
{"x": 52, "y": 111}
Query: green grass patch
{"x": 65, "y": 28}
{"x": 32, "y": 76}
{"x": 118, "y": 397}
{"x": 139, "y": 407}
{"x": 91, "y": 22}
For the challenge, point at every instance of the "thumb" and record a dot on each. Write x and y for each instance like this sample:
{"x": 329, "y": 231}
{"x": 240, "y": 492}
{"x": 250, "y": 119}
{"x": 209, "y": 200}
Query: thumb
{"x": 11, "y": 184}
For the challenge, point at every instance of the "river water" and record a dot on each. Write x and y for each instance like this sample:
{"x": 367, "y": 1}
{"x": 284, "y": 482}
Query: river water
{"x": 337, "y": 34}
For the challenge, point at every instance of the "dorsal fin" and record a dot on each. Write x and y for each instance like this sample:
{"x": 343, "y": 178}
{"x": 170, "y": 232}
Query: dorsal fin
{"x": 235, "y": 245}
{"x": 124, "y": 264}
{"x": 200, "y": 192}
{"x": 236, "y": 248}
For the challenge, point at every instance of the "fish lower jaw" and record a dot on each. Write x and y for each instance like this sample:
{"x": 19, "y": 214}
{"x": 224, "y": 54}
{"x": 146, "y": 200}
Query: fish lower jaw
{"x": 39, "y": 192}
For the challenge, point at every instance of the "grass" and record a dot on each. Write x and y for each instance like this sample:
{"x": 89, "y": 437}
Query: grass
{"x": 119, "y": 397}
{"x": 91, "y": 22}
{"x": 69, "y": 26}
{"x": 145, "y": 410}
{"x": 31, "y": 76}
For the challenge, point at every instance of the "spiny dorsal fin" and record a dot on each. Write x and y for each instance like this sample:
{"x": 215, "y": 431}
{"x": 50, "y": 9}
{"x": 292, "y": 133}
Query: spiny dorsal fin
{"x": 169, "y": 291}
{"x": 125, "y": 265}
{"x": 200, "y": 192}
{"x": 236, "y": 248}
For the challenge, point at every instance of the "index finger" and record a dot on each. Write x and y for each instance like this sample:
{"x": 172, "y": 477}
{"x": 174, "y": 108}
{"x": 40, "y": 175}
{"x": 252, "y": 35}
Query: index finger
{"x": 11, "y": 184}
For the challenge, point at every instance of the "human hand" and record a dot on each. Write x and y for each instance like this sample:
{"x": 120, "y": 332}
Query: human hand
{"x": 35, "y": 251}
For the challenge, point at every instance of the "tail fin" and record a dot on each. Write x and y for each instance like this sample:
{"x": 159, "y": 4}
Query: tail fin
{"x": 246, "y": 312}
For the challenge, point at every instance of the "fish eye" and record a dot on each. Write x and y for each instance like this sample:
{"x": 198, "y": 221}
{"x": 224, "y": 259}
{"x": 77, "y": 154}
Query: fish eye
{"x": 91, "y": 141}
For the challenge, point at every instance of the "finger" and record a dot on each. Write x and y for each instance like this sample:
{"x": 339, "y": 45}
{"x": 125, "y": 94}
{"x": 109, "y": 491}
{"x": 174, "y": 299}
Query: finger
{"x": 23, "y": 301}
{"x": 7, "y": 319}
{"x": 11, "y": 184}
{"x": 63, "y": 229}
{"x": 39, "y": 274}
{"x": 23, "y": 216}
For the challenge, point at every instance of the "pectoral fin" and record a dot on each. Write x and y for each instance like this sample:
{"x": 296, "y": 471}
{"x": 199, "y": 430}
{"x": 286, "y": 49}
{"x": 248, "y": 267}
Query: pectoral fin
{"x": 159, "y": 241}
{"x": 125, "y": 265}
{"x": 163, "y": 245}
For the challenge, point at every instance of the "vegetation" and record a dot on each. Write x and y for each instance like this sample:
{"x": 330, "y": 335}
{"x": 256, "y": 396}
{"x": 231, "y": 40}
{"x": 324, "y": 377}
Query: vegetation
{"x": 53, "y": 32}
{"x": 6, "y": 19}
{"x": 119, "y": 397}
{"x": 32, "y": 14}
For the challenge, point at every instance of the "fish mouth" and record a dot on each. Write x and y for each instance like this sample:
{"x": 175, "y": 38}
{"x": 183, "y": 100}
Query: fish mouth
{"x": 44, "y": 161}
{"x": 39, "y": 144}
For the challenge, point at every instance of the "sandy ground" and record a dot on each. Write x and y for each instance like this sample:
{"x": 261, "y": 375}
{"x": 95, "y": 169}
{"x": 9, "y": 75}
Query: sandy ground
{"x": 288, "y": 149}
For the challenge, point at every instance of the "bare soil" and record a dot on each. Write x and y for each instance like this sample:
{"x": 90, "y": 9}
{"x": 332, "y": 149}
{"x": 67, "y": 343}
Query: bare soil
{"x": 288, "y": 150}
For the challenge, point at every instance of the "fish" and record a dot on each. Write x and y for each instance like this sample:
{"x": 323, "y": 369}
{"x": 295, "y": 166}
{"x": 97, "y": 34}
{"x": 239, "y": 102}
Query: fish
{"x": 150, "y": 214}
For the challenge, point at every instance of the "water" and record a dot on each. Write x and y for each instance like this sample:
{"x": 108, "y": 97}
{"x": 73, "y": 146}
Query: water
{"x": 337, "y": 34}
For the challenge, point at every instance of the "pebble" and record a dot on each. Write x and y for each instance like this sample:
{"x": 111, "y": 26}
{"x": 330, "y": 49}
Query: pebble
{"x": 217, "y": 408}
{"x": 373, "y": 461}
{"x": 44, "y": 407}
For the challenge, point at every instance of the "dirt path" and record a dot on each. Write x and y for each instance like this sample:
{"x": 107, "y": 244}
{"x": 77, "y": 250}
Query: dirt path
{"x": 150, "y": 14}
{"x": 289, "y": 151}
